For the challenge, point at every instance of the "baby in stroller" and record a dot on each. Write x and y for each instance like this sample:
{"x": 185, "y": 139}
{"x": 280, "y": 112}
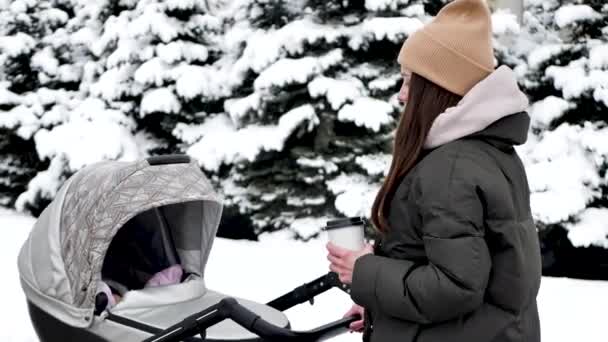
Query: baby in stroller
{"x": 141, "y": 255}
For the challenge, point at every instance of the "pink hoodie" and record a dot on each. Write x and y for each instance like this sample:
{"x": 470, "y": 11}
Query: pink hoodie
{"x": 492, "y": 99}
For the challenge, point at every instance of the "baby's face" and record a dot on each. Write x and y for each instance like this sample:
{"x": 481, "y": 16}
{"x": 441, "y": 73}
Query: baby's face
{"x": 117, "y": 298}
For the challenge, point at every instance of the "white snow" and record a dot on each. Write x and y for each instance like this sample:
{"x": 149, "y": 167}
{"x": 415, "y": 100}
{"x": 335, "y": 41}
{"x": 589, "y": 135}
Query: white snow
{"x": 569, "y": 14}
{"x": 598, "y": 56}
{"x": 308, "y": 227}
{"x": 177, "y": 51}
{"x": 366, "y": 70}
{"x": 542, "y": 53}
{"x": 306, "y": 201}
{"x": 355, "y": 195}
{"x": 205, "y": 22}
{"x": 375, "y": 164}
{"x": 54, "y": 16}
{"x": 595, "y": 141}
{"x": 78, "y": 137}
{"x": 234, "y": 195}
{"x": 7, "y": 97}
{"x": 45, "y": 61}
{"x": 114, "y": 29}
{"x": 379, "y": 5}
{"x": 132, "y": 51}
{"x": 562, "y": 172}
{"x": 385, "y": 82}
{"x": 152, "y": 21}
{"x": 21, "y": 6}
{"x": 199, "y": 81}
{"x": 395, "y": 29}
{"x": 414, "y": 10}
{"x": 318, "y": 163}
{"x": 569, "y": 79}
{"x": 262, "y": 50}
{"x": 266, "y": 47}
{"x": 575, "y": 79}
{"x": 601, "y": 95}
{"x": 17, "y": 44}
{"x": 222, "y": 143}
{"x": 591, "y": 228}
{"x": 293, "y": 36}
{"x": 152, "y": 72}
{"x": 296, "y": 71}
{"x": 271, "y": 196}
{"x": 23, "y": 117}
{"x": 240, "y": 107}
{"x": 367, "y": 112}
{"x": 161, "y": 100}
{"x": 69, "y": 73}
{"x": 16, "y": 326}
{"x": 550, "y": 108}
{"x": 115, "y": 82}
{"x": 184, "y": 4}
{"x": 192, "y": 133}
{"x": 504, "y": 21}
{"x": 337, "y": 92}
{"x": 44, "y": 185}
{"x": 570, "y": 310}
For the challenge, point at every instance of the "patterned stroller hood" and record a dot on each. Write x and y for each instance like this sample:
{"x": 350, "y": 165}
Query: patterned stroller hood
{"x": 60, "y": 263}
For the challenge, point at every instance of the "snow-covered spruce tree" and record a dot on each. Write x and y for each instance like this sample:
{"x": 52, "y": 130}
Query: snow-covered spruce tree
{"x": 308, "y": 129}
{"x": 310, "y": 124}
{"x": 85, "y": 82}
{"x": 565, "y": 72}
{"x": 156, "y": 63}
{"x": 51, "y": 122}
{"x": 36, "y": 72}
{"x": 161, "y": 64}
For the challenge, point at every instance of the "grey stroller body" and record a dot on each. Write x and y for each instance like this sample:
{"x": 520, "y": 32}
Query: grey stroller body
{"x": 118, "y": 223}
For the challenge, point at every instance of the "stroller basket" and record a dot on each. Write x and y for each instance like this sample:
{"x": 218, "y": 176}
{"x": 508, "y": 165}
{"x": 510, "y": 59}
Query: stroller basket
{"x": 120, "y": 255}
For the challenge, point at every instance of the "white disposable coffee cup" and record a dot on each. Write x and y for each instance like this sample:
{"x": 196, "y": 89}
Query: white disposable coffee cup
{"x": 347, "y": 233}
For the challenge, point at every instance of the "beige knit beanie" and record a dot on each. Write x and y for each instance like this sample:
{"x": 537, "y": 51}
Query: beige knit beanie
{"x": 454, "y": 50}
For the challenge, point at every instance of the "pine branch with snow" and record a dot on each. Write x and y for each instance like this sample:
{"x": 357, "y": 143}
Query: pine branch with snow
{"x": 565, "y": 73}
{"x": 39, "y": 69}
{"x": 327, "y": 60}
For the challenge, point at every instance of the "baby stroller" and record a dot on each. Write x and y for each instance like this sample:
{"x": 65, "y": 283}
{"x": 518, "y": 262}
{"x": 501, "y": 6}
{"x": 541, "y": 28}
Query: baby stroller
{"x": 94, "y": 267}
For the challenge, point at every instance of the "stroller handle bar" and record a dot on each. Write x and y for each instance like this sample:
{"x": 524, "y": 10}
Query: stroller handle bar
{"x": 308, "y": 291}
{"x": 229, "y": 308}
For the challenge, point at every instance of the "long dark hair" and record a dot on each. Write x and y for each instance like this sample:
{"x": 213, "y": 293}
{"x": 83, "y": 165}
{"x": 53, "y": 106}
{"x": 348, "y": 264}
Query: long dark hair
{"x": 426, "y": 101}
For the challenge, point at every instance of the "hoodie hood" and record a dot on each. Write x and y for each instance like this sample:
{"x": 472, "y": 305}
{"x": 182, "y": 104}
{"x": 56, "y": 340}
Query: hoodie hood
{"x": 487, "y": 110}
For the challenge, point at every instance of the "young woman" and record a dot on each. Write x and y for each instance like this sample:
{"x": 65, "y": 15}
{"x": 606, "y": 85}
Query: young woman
{"x": 458, "y": 258}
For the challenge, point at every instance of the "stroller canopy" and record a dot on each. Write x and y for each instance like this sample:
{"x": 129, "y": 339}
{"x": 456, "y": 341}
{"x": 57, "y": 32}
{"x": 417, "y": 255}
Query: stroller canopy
{"x": 61, "y": 262}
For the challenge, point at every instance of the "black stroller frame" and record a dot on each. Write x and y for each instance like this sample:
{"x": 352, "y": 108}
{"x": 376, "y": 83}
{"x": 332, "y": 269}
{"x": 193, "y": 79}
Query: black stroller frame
{"x": 229, "y": 308}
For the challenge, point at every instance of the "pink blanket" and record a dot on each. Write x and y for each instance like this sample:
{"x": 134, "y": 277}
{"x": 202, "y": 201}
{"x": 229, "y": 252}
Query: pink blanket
{"x": 168, "y": 276}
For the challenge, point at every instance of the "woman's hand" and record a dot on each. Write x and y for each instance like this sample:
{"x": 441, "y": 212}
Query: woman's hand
{"x": 343, "y": 260}
{"x": 356, "y": 325}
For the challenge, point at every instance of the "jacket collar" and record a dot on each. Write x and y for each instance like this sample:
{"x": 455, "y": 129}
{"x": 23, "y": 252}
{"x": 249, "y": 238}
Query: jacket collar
{"x": 486, "y": 110}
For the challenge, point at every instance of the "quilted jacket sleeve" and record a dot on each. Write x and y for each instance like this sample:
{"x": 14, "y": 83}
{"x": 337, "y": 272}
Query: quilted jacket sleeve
{"x": 454, "y": 280}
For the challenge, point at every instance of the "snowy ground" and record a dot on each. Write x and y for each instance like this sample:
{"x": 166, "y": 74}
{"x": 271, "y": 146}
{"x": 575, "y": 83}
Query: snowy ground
{"x": 571, "y": 310}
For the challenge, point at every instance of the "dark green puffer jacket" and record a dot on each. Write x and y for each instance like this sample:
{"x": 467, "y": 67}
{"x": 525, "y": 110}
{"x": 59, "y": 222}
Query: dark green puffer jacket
{"x": 461, "y": 262}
